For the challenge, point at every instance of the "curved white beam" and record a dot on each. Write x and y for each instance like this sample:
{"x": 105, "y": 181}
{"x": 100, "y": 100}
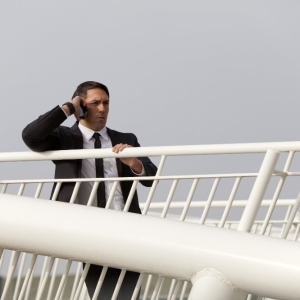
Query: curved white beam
{"x": 257, "y": 264}
{"x": 152, "y": 151}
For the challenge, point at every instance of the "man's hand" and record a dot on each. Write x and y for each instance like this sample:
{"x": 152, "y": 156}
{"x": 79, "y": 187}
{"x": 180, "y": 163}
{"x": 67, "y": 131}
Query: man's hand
{"x": 76, "y": 101}
{"x": 132, "y": 162}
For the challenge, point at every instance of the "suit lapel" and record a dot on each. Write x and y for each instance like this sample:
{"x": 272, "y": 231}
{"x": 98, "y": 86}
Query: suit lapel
{"x": 77, "y": 135}
{"x": 115, "y": 139}
{"x": 75, "y": 131}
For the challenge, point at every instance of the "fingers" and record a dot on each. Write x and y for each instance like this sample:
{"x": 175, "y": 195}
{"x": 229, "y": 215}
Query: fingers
{"x": 77, "y": 101}
{"x": 120, "y": 147}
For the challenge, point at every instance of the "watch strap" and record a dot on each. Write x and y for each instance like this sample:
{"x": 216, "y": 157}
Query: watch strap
{"x": 71, "y": 107}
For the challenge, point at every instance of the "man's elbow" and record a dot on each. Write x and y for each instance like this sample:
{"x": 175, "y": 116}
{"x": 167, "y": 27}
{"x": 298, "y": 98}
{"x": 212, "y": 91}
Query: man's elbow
{"x": 32, "y": 143}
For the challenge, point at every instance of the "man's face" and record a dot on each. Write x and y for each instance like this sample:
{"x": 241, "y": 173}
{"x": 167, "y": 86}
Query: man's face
{"x": 98, "y": 106}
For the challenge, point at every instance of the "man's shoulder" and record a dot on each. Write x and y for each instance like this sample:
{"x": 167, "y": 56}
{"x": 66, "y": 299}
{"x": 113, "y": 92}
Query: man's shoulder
{"x": 122, "y": 137}
{"x": 115, "y": 132}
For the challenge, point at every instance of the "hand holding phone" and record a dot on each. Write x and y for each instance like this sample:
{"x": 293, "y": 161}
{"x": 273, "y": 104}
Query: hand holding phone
{"x": 83, "y": 111}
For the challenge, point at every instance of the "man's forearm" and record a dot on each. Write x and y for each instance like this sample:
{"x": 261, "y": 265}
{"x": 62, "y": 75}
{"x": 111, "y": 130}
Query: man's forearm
{"x": 38, "y": 134}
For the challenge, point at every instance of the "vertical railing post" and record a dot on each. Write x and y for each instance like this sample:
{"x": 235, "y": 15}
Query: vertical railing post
{"x": 258, "y": 190}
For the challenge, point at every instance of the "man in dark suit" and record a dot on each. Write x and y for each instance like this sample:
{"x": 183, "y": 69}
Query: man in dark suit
{"x": 46, "y": 133}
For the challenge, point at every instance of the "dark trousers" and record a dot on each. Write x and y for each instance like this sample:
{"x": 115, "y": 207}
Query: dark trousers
{"x": 109, "y": 283}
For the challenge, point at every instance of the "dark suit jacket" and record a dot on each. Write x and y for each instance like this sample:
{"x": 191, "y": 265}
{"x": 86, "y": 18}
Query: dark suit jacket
{"x": 46, "y": 133}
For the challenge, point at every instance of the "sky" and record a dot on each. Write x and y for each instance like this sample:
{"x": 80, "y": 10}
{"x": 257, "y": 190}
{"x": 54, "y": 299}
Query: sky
{"x": 179, "y": 72}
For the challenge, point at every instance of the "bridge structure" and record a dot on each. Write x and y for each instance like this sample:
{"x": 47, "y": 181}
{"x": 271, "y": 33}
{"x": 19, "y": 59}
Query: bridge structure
{"x": 183, "y": 246}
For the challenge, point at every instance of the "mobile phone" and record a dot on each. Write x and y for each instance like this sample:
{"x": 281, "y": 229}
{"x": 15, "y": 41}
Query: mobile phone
{"x": 83, "y": 111}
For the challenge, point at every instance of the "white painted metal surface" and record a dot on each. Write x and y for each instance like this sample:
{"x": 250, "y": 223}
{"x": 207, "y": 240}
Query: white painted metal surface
{"x": 153, "y": 151}
{"x": 163, "y": 253}
{"x": 18, "y": 274}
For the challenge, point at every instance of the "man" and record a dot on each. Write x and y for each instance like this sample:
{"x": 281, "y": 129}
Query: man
{"x": 46, "y": 133}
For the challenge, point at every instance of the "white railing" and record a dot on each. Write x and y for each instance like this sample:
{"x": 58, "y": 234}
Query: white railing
{"x": 168, "y": 249}
{"x": 162, "y": 201}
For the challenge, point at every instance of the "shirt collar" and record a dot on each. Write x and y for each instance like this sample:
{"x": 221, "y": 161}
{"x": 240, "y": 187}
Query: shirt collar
{"x": 88, "y": 133}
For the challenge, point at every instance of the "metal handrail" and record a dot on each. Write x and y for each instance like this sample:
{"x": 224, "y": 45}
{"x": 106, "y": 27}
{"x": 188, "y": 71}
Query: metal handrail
{"x": 152, "y": 151}
{"x": 288, "y": 227}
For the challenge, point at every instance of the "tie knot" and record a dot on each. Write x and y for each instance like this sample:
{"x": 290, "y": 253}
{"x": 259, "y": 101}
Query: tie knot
{"x": 96, "y": 136}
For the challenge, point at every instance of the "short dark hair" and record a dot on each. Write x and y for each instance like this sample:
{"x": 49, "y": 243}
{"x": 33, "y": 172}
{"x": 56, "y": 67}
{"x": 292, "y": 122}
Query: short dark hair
{"x": 88, "y": 85}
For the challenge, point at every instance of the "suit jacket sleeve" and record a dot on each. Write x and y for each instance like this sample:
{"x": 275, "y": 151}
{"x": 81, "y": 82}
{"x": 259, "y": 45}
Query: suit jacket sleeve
{"x": 149, "y": 167}
{"x": 42, "y": 134}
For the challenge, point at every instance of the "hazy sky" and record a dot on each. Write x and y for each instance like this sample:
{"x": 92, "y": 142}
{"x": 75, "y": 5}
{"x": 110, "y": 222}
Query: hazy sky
{"x": 179, "y": 72}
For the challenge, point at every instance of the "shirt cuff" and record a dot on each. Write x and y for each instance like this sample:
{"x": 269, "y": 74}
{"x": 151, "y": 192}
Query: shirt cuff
{"x": 141, "y": 174}
{"x": 64, "y": 112}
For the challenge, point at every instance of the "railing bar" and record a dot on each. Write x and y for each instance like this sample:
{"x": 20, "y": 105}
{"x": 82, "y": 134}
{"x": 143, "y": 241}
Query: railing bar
{"x": 177, "y": 288}
{"x": 63, "y": 280}
{"x": 277, "y": 192}
{"x": 61, "y": 297}
{"x": 99, "y": 283}
{"x": 12, "y": 266}
{"x": 27, "y": 276}
{"x": 75, "y": 192}
{"x": 93, "y": 193}
{"x": 45, "y": 278}
{"x": 288, "y": 212}
{"x": 210, "y": 199}
{"x": 273, "y": 205}
{"x": 85, "y": 293}
{"x": 254, "y": 228}
{"x": 154, "y": 184}
{"x": 172, "y": 287}
{"x": 160, "y": 288}
{"x": 81, "y": 282}
{"x": 137, "y": 287}
{"x": 52, "y": 281}
{"x": 21, "y": 189}
{"x": 188, "y": 150}
{"x": 56, "y": 191}
{"x": 229, "y": 202}
{"x": 296, "y": 232}
{"x": 112, "y": 193}
{"x": 39, "y": 190}
{"x": 46, "y": 258}
{"x": 189, "y": 199}
{"x": 150, "y": 196}
{"x": 257, "y": 221}
{"x": 183, "y": 291}
{"x": 4, "y": 188}
{"x": 258, "y": 190}
{"x": 2, "y": 253}
{"x": 291, "y": 218}
{"x": 289, "y": 161}
{"x": 76, "y": 280}
{"x": 269, "y": 229}
{"x": 219, "y": 203}
{"x": 130, "y": 196}
{"x": 170, "y": 198}
{"x": 156, "y": 177}
{"x": 118, "y": 285}
{"x": 157, "y": 287}
{"x": 19, "y": 276}
{"x": 146, "y": 291}
{"x": 27, "y": 294}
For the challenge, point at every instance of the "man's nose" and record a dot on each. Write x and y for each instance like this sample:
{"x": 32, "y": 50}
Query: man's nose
{"x": 101, "y": 107}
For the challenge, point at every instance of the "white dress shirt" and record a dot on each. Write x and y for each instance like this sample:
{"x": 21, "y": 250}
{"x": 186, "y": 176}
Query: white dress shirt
{"x": 88, "y": 170}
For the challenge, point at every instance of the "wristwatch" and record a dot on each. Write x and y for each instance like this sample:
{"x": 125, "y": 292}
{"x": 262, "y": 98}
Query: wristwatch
{"x": 71, "y": 107}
